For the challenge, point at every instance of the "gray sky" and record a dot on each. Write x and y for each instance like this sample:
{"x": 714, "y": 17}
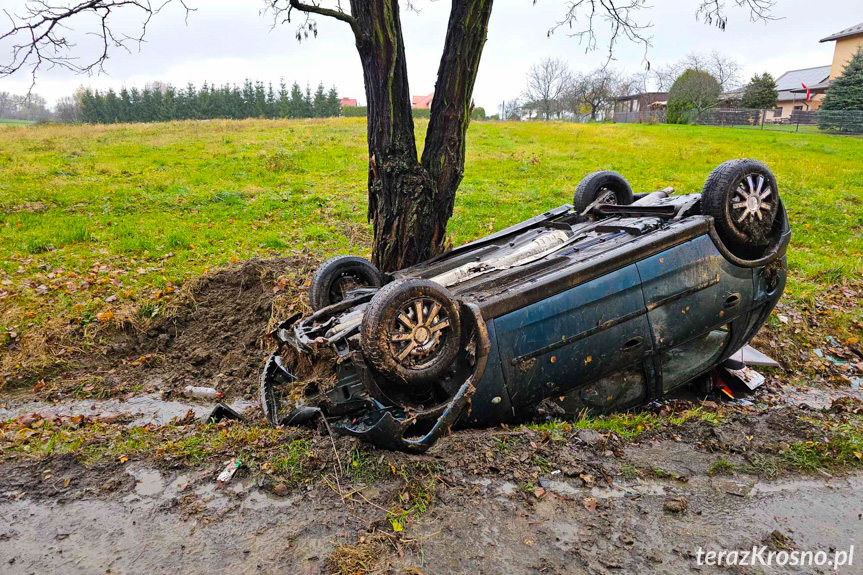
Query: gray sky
{"x": 228, "y": 40}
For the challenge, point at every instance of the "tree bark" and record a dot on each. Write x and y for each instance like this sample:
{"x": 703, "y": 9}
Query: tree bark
{"x": 400, "y": 191}
{"x": 410, "y": 202}
{"x": 444, "y": 153}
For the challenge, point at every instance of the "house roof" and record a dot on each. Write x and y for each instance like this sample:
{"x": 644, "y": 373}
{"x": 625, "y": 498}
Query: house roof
{"x": 735, "y": 94}
{"x": 422, "y": 101}
{"x": 794, "y": 79}
{"x": 640, "y": 94}
{"x": 852, "y": 31}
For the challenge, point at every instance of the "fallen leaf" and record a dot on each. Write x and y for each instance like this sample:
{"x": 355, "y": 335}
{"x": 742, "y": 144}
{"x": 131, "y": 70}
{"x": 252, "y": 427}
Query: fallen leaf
{"x": 589, "y": 503}
{"x": 105, "y": 316}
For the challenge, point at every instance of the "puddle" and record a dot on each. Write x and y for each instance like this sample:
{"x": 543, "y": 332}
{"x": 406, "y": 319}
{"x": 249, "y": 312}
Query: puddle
{"x": 146, "y": 533}
{"x": 147, "y": 408}
{"x": 765, "y": 487}
{"x": 817, "y": 397}
{"x": 149, "y": 482}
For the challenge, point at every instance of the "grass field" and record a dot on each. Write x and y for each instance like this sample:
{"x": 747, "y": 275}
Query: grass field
{"x": 102, "y": 222}
{"x": 8, "y": 122}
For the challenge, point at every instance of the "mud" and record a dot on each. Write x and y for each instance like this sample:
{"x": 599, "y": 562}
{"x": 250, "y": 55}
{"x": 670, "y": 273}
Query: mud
{"x": 141, "y": 409}
{"x": 215, "y": 336}
{"x": 154, "y": 522}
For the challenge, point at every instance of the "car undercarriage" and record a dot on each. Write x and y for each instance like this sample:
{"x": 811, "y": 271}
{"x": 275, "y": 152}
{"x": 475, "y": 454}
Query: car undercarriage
{"x": 602, "y": 305}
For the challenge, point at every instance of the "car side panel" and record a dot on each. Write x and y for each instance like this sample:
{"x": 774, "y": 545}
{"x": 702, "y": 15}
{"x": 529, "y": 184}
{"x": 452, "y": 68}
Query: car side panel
{"x": 574, "y": 337}
{"x": 690, "y": 289}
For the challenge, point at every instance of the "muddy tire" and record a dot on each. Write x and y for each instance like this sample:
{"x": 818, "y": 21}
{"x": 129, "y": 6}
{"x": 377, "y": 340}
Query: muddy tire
{"x": 610, "y": 186}
{"x": 411, "y": 331}
{"x": 742, "y": 197}
{"x": 337, "y": 276}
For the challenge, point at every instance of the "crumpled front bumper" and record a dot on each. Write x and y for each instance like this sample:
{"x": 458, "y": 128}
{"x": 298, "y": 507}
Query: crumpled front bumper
{"x": 367, "y": 415}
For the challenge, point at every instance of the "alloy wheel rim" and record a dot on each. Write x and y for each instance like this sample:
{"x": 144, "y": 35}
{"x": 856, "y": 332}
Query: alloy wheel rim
{"x": 751, "y": 200}
{"x": 419, "y": 332}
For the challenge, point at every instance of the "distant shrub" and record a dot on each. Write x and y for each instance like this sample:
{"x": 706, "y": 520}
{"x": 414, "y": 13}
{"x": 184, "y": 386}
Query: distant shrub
{"x": 423, "y": 113}
{"x": 354, "y": 111}
{"x": 693, "y": 93}
{"x": 478, "y": 114}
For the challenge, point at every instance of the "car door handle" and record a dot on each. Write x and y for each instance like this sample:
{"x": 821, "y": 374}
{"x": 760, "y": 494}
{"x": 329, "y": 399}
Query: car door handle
{"x": 732, "y": 300}
{"x": 632, "y": 344}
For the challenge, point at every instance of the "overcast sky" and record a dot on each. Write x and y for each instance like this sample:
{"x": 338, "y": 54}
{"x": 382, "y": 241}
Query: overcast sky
{"x": 226, "y": 41}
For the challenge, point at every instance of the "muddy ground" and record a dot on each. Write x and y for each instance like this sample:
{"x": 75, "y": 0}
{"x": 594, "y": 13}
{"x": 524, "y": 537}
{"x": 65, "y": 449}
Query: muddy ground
{"x": 538, "y": 499}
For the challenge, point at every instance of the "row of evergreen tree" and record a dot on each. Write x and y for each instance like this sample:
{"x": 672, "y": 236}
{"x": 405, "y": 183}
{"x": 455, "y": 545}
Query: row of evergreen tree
{"x": 160, "y": 102}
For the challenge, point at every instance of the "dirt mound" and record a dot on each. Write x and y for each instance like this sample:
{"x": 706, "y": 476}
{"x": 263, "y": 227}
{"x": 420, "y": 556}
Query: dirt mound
{"x": 219, "y": 339}
{"x": 217, "y": 336}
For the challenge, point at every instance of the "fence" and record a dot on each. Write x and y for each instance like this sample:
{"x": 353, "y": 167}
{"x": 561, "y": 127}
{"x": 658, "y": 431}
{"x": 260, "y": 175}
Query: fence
{"x": 644, "y": 117}
{"x": 806, "y": 121}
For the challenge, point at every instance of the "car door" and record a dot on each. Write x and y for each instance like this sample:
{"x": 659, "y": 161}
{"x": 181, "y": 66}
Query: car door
{"x": 692, "y": 293}
{"x": 575, "y": 337}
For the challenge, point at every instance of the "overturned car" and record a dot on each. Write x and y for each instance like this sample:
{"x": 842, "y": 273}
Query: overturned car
{"x": 604, "y": 305}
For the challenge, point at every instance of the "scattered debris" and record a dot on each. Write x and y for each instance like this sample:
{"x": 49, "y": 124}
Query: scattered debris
{"x": 228, "y": 472}
{"x": 222, "y": 411}
{"x": 201, "y": 392}
{"x": 747, "y": 376}
{"x": 748, "y": 355}
{"x": 675, "y": 504}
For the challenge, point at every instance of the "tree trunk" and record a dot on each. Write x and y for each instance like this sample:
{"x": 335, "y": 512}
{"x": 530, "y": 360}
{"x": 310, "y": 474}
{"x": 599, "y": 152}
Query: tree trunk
{"x": 444, "y": 153}
{"x": 400, "y": 192}
{"x": 410, "y": 202}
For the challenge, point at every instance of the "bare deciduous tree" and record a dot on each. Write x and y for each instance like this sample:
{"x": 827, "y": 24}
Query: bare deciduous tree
{"x": 546, "y": 83}
{"x": 722, "y": 67}
{"x": 592, "y": 95}
{"x": 510, "y": 110}
{"x": 5, "y": 104}
{"x": 410, "y": 200}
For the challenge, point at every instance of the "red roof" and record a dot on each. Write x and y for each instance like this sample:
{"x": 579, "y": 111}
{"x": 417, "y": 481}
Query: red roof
{"x": 347, "y": 102}
{"x": 422, "y": 101}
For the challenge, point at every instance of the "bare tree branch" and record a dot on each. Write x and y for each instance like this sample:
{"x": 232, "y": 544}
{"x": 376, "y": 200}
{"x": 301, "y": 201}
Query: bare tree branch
{"x": 38, "y": 37}
{"x": 619, "y": 16}
{"x": 713, "y": 11}
{"x": 283, "y": 10}
{"x": 583, "y": 19}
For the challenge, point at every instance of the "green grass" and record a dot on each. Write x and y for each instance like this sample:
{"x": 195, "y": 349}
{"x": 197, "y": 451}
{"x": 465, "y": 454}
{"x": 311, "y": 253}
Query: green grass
{"x": 843, "y": 449}
{"x": 10, "y": 122}
{"x": 124, "y": 210}
{"x": 721, "y": 467}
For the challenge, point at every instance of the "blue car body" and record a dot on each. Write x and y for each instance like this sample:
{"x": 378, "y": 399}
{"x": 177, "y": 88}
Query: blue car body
{"x": 602, "y": 312}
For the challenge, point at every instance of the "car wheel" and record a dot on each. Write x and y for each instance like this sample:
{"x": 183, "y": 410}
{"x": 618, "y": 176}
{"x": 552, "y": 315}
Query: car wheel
{"x": 339, "y": 275}
{"x": 742, "y": 197}
{"x": 411, "y": 331}
{"x": 607, "y": 187}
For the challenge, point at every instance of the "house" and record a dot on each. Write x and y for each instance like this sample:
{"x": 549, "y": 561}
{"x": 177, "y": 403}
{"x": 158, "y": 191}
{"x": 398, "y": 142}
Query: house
{"x": 792, "y": 94}
{"x": 794, "y": 85}
{"x": 847, "y": 43}
{"x": 351, "y": 102}
{"x": 730, "y": 100}
{"x": 638, "y": 107}
{"x": 422, "y": 102}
